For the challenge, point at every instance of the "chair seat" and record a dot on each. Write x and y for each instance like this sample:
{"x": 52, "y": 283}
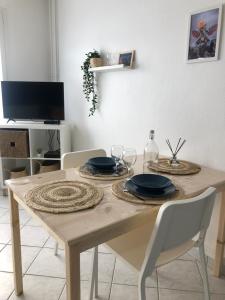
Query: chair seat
{"x": 131, "y": 247}
{"x": 167, "y": 256}
{"x": 135, "y": 257}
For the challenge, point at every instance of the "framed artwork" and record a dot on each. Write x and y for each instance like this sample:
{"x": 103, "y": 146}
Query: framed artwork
{"x": 127, "y": 58}
{"x": 204, "y": 35}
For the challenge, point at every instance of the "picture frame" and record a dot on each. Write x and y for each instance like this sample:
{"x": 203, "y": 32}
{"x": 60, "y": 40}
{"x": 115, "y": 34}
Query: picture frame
{"x": 203, "y": 40}
{"x": 127, "y": 58}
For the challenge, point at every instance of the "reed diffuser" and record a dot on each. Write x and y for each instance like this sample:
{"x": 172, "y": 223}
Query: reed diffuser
{"x": 174, "y": 162}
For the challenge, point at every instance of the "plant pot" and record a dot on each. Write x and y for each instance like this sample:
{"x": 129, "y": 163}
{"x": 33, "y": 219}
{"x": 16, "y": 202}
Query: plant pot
{"x": 18, "y": 172}
{"x": 96, "y": 62}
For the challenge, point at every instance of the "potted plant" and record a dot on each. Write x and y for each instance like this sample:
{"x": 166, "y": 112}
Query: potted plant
{"x": 93, "y": 59}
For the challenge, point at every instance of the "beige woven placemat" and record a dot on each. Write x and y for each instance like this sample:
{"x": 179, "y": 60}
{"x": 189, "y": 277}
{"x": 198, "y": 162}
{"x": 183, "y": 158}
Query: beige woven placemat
{"x": 184, "y": 168}
{"x": 63, "y": 196}
{"x": 85, "y": 173}
{"x": 118, "y": 191}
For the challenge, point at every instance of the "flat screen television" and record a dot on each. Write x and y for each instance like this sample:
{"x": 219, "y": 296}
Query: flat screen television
{"x": 26, "y": 100}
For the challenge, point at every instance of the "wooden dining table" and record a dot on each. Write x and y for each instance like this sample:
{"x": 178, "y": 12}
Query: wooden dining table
{"x": 111, "y": 219}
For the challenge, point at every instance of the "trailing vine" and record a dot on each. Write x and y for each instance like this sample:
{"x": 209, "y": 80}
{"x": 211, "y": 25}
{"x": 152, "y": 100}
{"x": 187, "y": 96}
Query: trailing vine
{"x": 89, "y": 87}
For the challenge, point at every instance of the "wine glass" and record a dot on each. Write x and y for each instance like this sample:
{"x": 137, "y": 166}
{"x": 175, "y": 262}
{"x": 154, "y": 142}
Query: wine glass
{"x": 129, "y": 158}
{"x": 117, "y": 154}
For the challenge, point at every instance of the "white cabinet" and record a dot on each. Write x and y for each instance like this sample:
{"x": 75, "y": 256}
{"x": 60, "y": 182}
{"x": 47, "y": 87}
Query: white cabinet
{"x": 42, "y": 137}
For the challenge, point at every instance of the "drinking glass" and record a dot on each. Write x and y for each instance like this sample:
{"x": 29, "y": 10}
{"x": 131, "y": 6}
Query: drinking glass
{"x": 117, "y": 154}
{"x": 129, "y": 158}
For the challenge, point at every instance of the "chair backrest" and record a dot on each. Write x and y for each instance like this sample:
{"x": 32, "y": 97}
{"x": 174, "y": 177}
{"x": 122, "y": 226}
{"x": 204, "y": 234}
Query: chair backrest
{"x": 178, "y": 222}
{"x": 78, "y": 158}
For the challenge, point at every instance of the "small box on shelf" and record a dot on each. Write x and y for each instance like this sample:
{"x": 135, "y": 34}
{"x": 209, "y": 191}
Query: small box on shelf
{"x": 14, "y": 143}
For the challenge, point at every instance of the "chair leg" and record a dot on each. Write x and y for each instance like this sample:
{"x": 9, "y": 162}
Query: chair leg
{"x": 141, "y": 289}
{"x": 204, "y": 272}
{"x": 56, "y": 248}
{"x": 96, "y": 271}
{"x": 94, "y": 275}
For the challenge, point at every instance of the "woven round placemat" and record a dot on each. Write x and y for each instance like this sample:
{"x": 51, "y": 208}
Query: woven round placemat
{"x": 63, "y": 196}
{"x": 85, "y": 173}
{"x": 184, "y": 168}
{"x": 118, "y": 191}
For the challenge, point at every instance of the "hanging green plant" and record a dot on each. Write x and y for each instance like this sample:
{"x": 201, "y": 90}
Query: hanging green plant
{"x": 93, "y": 59}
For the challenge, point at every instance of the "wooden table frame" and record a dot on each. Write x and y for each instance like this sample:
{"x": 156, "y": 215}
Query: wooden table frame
{"x": 137, "y": 216}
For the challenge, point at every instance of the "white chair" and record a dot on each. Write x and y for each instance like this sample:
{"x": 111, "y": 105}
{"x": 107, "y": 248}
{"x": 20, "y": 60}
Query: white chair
{"x": 73, "y": 160}
{"x": 76, "y": 159}
{"x": 180, "y": 226}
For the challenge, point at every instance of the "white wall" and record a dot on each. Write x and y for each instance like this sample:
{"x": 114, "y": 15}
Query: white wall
{"x": 163, "y": 92}
{"x": 27, "y": 39}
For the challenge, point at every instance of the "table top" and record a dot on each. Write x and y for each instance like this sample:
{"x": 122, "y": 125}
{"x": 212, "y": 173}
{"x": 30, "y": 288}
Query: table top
{"x": 112, "y": 216}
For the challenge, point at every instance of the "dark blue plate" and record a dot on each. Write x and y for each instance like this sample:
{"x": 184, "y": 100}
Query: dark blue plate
{"x": 102, "y": 163}
{"x": 94, "y": 170}
{"x": 151, "y": 181}
{"x": 133, "y": 189}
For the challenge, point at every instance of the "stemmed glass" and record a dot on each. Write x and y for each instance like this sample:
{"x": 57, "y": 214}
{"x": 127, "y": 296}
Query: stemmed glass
{"x": 117, "y": 153}
{"x": 129, "y": 158}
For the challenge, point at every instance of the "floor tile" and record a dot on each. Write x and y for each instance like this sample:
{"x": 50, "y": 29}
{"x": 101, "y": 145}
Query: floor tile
{"x": 40, "y": 288}
{"x": 217, "y": 285}
{"x": 5, "y": 218}
{"x": 187, "y": 256}
{"x": 4, "y": 202}
{"x": 104, "y": 290}
{"x": 165, "y": 294}
{"x": 103, "y": 249}
{"x": 106, "y": 266}
{"x": 47, "y": 264}
{"x": 28, "y": 255}
{"x": 6, "y": 285}
{"x": 217, "y": 297}
{"x": 3, "y": 211}
{"x": 33, "y": 236}
{"x": 2, "y": 246}
{"x": 194, "y": 252}
{"x": 125, "y": 292}
{"x": 51, "y": 243}
{"x": 5, "y": 233}
{"x": 180, "y": 275}
{"x": 123, "y": 274}
{"x": 33, "y": 222}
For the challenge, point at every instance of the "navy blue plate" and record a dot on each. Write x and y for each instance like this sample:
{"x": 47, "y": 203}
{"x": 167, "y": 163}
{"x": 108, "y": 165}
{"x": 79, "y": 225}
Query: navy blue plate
{"x": 133, "y": 189}
{"x": 151, "y": 181}
{"x": 94, "y": 170}
{"x": 102, "y": 163}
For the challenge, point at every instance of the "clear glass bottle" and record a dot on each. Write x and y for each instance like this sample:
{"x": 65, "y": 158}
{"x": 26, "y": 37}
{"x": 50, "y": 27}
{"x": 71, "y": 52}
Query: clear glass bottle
{"x": 151, "y": 152}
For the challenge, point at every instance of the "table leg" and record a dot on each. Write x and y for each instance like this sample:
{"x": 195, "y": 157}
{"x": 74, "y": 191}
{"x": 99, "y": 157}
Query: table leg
{"x": 218, "y": 262}
{"x": 72, "y": 272}
{"x": 16, "y": 248}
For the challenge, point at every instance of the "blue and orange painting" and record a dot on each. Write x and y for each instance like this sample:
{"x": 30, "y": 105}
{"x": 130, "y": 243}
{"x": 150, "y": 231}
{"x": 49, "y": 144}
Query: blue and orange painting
{"x": 203, "y": 34}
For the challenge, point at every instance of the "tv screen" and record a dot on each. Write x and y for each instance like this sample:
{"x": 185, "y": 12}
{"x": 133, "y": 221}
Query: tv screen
{"x": 26, "y": 100}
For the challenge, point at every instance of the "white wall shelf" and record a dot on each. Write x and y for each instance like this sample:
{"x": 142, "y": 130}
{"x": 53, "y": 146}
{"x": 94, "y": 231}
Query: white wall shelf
{"x": 121, "y": 67}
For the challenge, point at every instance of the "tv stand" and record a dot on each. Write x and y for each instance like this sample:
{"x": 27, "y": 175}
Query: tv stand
{"x": 11, "y": 120}
{"x": 52, "y": 122}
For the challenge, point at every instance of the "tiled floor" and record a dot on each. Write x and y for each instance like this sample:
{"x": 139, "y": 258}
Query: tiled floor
{"x": 44, "y": 274}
